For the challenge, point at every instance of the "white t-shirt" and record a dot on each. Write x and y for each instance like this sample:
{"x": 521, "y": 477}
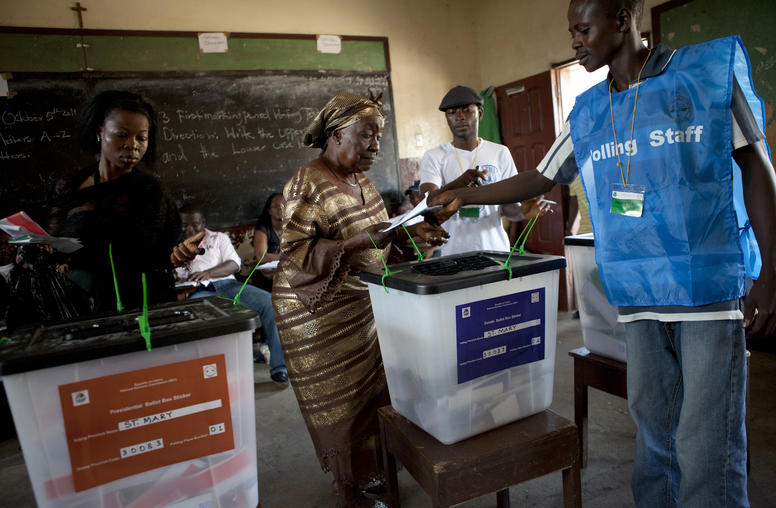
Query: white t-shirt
{"x": 441, "y": 166}
{"x": 218, "y": 248}
{"x": 5, "y": 270}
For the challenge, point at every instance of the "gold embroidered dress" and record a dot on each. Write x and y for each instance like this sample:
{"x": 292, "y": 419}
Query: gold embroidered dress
{"x": 324, "y": 317}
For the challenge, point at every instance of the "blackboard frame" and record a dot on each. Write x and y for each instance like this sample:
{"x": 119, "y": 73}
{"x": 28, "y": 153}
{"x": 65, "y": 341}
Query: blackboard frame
{"x": 658, "y": 10}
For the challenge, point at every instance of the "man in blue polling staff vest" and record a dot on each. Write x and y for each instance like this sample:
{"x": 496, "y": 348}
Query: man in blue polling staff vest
{"x": 659, "y": 144}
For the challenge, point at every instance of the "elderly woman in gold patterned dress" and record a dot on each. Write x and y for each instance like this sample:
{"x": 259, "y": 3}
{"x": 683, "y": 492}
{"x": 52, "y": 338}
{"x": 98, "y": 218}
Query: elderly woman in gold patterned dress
{"x": 322, "y": 309}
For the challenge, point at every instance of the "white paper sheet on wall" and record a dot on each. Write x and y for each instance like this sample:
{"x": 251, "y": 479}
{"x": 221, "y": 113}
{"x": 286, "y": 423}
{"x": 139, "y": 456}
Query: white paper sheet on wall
{"x": 329, "y": 44}
{"x": 213, "y": 42}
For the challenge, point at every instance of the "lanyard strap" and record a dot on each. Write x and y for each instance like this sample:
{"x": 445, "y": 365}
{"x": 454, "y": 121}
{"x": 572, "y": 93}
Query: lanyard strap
{"x": 633, "y": 123}
{"x": 474, "y": 161}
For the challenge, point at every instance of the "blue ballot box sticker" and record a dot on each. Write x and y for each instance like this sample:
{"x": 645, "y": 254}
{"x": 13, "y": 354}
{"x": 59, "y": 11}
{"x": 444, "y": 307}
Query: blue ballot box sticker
{"x": 499, "y": 333}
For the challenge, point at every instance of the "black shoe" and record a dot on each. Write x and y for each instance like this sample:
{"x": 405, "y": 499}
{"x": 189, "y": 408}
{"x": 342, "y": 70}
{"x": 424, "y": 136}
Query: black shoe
{"x": 280, "y": 377}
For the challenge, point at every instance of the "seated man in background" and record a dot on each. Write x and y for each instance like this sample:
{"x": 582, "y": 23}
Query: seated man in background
{"x": 214, "y": 270}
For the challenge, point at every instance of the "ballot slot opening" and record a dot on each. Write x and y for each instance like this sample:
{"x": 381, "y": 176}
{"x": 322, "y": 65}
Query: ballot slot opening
{"x": 101, "y": 327}
{"x": 451, "y": 266}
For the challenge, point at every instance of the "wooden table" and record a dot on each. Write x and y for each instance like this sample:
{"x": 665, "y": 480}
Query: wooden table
{"x": 599, "y": 372}
{"x": 485, "y": 463}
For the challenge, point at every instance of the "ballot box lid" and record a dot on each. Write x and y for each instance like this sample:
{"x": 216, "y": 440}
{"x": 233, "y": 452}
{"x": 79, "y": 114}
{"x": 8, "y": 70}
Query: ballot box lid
{"x": 103, "y": 335}
{"x": 460, "y": 271}
{"x": 585, "y": 239}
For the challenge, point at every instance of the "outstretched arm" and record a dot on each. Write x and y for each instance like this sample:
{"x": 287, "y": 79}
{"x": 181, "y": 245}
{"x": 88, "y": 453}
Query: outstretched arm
{"x": 524, "y": 185}
{"x": 760, "y": 197}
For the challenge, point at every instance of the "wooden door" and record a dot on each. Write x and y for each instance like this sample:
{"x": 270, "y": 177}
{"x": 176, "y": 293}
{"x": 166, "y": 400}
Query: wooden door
{"x": 525, "y": 110}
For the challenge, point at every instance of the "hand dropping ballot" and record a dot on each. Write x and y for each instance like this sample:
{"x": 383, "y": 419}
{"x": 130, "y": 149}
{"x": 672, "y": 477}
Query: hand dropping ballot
{"x": 412, "y": 217}
{"x": 23, "y": 230}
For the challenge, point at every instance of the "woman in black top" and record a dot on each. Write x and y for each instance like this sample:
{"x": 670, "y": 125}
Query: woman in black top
{"x": 113, "y": 202}
{"x": 266, "y": 235}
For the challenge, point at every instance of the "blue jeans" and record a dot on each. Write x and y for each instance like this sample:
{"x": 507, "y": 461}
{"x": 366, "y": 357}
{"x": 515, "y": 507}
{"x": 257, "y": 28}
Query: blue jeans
{"x": 260, "y": 302}
{"x": 686, "y": 394}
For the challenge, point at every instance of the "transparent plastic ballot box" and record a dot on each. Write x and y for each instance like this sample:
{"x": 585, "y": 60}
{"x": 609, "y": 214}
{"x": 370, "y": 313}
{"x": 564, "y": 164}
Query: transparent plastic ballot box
{"x": 465, "y": 348}
{"x": 601, "y": 333}
{"x": 104, "y": 422}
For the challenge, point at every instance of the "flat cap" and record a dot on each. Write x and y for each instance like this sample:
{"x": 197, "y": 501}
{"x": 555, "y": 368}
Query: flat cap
{"x": 460, "y": 96}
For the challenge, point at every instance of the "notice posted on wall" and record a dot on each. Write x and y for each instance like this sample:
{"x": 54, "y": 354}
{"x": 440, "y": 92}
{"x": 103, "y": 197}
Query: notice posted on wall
{"x": 499, "y": 333}
{"x": 124, "y": 424}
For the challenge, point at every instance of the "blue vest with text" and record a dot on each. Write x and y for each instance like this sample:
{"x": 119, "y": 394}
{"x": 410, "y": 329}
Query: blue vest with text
{"x": 693, "y": 244}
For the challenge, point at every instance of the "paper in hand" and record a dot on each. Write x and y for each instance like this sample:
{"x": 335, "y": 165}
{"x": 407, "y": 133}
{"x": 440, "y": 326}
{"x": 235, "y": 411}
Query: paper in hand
{"x": 23, "y": 230}
{"x": 269, "y": 265}
{"x": 407, "y": 218}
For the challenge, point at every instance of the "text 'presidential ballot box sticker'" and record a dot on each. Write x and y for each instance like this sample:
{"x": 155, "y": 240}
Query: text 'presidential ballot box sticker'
{"x": 499, "y": 333}
{"x": 124, "y": 424}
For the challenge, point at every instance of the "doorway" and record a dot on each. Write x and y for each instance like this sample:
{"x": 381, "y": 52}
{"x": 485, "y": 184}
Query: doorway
{"x": 527, "y": 117}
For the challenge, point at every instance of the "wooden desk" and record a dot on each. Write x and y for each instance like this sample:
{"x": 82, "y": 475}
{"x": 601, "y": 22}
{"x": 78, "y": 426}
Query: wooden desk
{"x": 483, "y": 464}
{"x": 599, "y": 372}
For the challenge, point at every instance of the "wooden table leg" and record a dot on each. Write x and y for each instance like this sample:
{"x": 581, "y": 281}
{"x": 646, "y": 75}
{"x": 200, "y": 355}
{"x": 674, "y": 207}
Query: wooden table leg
{"x": 572, "y": 488}
{"x": 580, "y": 408}
{"x": 389, "y": 466}
{"x": 502, "y": 498}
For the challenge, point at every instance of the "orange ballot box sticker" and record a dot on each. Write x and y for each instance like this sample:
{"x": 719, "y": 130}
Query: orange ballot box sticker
{"x": 124, "y": 424}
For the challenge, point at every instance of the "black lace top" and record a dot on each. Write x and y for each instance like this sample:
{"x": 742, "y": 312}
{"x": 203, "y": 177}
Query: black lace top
{"x": 135, "y": 215}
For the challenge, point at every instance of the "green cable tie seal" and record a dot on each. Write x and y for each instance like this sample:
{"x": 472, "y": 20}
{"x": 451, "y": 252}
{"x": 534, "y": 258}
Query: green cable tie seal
{"x": 119, "y": 307}
{"x": 417, "y": 251}
{"x": 531, "y": 224}
{"x": 387, "y": 273}
{"x": 4, "y": 340}
{"x": 524, "y": 236}
{"x": 142, "y": 320}
{"x": 236, "y": 300}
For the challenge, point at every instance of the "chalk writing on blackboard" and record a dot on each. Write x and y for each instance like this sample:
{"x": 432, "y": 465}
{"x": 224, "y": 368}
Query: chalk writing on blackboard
{"x": 226, "y": 140}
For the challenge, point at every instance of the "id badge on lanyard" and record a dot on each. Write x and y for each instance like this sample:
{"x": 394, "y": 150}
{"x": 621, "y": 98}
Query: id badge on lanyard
{"x": 628, "y": 200}
{"x": 471, "y": 212}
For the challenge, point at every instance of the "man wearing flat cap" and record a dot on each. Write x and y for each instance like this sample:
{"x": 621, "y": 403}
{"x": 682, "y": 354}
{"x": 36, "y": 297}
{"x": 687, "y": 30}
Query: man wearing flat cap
{"x": 469, "y": 160}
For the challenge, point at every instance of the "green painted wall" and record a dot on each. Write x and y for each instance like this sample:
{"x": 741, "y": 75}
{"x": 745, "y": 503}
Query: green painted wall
{"x": 703, "y": 20}
{"x": 61, "y": 53}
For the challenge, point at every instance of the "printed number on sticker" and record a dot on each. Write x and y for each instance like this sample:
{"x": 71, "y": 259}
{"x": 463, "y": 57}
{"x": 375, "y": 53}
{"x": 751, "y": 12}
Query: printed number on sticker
{"x": 494, "y": 352}
{"x": 217, "y": 428}
{"x": 137, "y": 449}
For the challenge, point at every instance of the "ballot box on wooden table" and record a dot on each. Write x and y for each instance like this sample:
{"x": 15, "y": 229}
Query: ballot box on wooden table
{"x": 466, "y": 345}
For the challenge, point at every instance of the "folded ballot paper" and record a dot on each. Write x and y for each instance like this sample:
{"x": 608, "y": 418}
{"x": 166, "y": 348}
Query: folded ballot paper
{"x": 23, "y": 230}
{"x": 412, "y": 217}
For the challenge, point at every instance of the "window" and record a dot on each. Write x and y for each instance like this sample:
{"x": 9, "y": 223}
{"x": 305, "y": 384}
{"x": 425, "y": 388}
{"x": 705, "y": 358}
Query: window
{"x": 571, "y": 79}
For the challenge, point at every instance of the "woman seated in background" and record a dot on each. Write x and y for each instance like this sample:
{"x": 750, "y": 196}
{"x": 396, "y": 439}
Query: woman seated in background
{"x": 322, "y": 309}
{"x": 114, "y": 202}
{"x": 266, "y": 237}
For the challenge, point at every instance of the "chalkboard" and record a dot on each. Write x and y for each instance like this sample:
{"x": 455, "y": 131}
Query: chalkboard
{"x": 226, "y": 139}
{"x": 680, "y": 23}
